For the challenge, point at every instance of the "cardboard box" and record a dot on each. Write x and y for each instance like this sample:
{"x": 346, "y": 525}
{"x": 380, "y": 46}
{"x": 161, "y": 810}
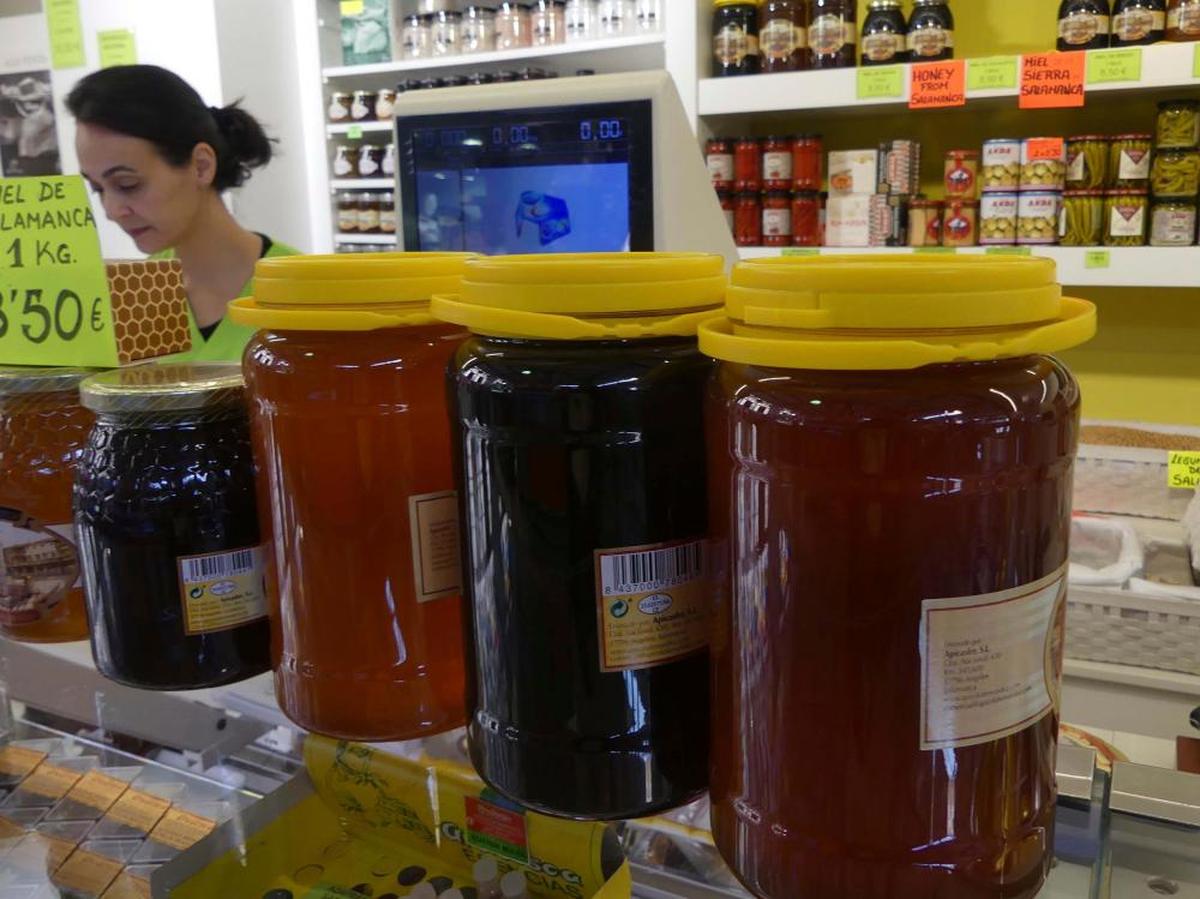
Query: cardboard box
{"x": 848, "y": 221}
{"x": 853, "y": 172}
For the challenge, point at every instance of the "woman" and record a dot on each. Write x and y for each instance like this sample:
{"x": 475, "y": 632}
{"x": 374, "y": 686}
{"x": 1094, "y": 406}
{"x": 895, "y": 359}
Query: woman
{"x": 159, "y": 159}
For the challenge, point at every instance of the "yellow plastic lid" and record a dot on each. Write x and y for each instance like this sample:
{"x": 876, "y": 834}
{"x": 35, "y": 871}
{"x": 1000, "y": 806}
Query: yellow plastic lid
{"x": 587, "y": 296}
{"x": 893, "y": 312}
{"x": 347, "y": 293}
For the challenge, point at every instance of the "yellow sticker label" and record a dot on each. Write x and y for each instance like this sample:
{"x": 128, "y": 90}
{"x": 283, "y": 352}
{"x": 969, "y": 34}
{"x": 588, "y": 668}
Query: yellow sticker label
{"x": 128, "y": 886}
{"x": 50, "y": 781}
{"x": 181, "y": 830}
{"x": 88, "y": 872}
{"x": 433, "y": 521}
{"x": 652, "y": 604}
{"x": 118, "y": 47}
{"x": 97, "y": 790}
{"x": 220, "y": 591}
{"x": 17, "y": 761}
{"x": 351, "y": 7}
{"x": 1183, "y": 469}
{"x": 66, "y": 34}
{"x": 138, "y": 810}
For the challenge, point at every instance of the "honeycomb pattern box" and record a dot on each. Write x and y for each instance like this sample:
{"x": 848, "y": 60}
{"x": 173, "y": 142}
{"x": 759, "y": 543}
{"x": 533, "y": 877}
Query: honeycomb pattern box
{"x": 149, "y": 309}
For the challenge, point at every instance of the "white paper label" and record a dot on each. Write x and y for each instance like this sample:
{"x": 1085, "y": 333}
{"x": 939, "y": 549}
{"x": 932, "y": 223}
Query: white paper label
{"x": 1128, "y": 220}
{"x": 1134, "y": 165}
{"x": 433, "y": 519}
{"x": 777, "y": 222}
{"x": 991, "y": 665}
{"x": 777, "y": 166}
{"x": 1075, "y": 167}
{"x": 720, "y": 166}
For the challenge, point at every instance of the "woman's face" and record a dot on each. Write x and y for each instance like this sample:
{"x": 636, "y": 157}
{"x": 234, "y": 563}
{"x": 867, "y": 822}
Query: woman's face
{"x": 153, "y": 201}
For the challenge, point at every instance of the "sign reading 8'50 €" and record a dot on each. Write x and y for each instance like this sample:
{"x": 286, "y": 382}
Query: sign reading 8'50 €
{"x": 60, "y": 303}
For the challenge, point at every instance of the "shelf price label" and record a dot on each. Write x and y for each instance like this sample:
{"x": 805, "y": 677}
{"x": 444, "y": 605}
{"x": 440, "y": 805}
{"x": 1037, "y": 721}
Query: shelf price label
{"x": 1008, "y": 251}
{"x": 1097, "y": 259}
{"x": 992, "y": 73}
{"x": 880, "y": 82}
{"x": 54, "y": 299}
{"x": 1107, "y": 66}
{"x": 1196, "y": 62}
{"x": 937, "y": 84}
{"x": 1052, "y": 80}
{"x": 936, "y": 251}
{"x": 1183, "y": 469}
{"x": 800, "y": 251}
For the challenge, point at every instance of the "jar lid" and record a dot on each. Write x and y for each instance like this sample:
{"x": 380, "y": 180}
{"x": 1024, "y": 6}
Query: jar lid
{"x": 962, "y": 154}
{"x": 333, "y": 293}
{"x": 893, "y": 312}
{"x": 1139, "y": 135}
{"x": 1092, "y": 192}
{"x": 1190, "y": 104}
{"x": 1081, "y": 137}
{"x": 1002, "y": 140}
{"x": 22, "y": 380}
{"x": 164, "y": 387}
{"x": 925, "y": 204}
{"x": 1176, "y": 151}
{"x": 1127, "y": 192}
{"x": 587, "y": 296}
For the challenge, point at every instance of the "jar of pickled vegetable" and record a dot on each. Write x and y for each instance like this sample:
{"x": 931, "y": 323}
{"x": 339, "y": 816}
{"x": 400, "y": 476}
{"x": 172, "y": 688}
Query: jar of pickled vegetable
{"x": 806, "y": 162}
{"x": 1183, "y": 20}
{"x": 747, "y": 164}
{"x": 747, "y": 220}
{"x": 579, "y": 439}
{"x": 1176, "y": 173}
{"x": 893, "y": 496}
{"x": 1178, "y": 124}
{"x": 364, "y": 583}
{"x": 1087, "y": 162}
{"x": 1001, "y": 165}
{"x": 1129, "y": 160}
{"x": 806, "y": 218}
{"x": 43, "y": 429}
{"x": 1125, "y": 218}
{"x": 1173, "y": 223}
{"x": 1082, "y": 219}
{"x": 998, "y": 219}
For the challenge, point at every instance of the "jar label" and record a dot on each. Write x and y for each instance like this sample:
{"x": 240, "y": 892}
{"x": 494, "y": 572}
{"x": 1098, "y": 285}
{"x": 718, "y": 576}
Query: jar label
{"x": 342, "y": 166}
{"x": 384, "y": 109}
{"x": 732, "y": 44}
{"x": 720, "y": 166}
{"x": 387, "y": 221}
{"x": 368, "y": 219}
{"x": 1185, "y": 19}
{"x": 991, "y": 665}
{"x": 347, "y": 219}
{"x": 776, "y": 222}
{"x": 360, "y": 110}
{"x": 39, "y": 565}
{"x": 1081, "y": 28}
{"x": 930, "y": 41}
{"x": 777, "y": 166}
{"x": 338, "y": 112}
{"x": 1135, "y": 24}
{"x": 433, "y": 523}
{"x": 882, "y": 46}
{"x": 1173, "y": 227}
{"x": 960, "y": 179}
{"x": 827, "y": 34}
{"x": 1127, "y": 220}
{"x": 367, "y": 165}
{"x": 652, "y": 604}
{"x": 1075, "y": 165}
{"x": 777, "y": 39}
{"x": 222, "y": 590}
{"x": 1134, "y": 165}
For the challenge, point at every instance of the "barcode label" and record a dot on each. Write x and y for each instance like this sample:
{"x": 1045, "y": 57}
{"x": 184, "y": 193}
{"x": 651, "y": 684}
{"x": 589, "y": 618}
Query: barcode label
{"x": 625, "y": 573}
{"x": 200, "y": 569}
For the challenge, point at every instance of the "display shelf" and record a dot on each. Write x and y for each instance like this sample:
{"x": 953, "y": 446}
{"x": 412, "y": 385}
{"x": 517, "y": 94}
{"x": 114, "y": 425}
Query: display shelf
{"x": 362, "y": 183}
{"x": 377, "y": 239}
{"x": 523, "y": 54}
{"x": 344, "y": 127}
{"x": 1163, "y": 66}
{"x": 1126, "y": 266}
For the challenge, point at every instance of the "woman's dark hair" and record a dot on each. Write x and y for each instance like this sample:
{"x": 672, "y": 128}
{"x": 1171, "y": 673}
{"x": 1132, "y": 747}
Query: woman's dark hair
{"x": 157, "y": 105}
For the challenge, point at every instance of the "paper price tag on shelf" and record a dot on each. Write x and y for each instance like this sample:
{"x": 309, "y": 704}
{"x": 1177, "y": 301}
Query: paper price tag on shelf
{"x": 1044, "y": 148}
{"x": 1196, "y": 62}
{"x": 351, "y": 7}
{"x": 937, "y": 84}
{"x": 1052, "y": 80}
{"x": 1107, "y": 66}
{"x": 1008, "y": 251}
{"x": 880, "y": 82}
{"x": 1183, "y": 469}
{"x": 1097, "y": 259}
{"x": 354, "y": 132}
{"x": 935, "y": 250}
{"x": 992, "y": 73}
{"x": 800, "y": 251}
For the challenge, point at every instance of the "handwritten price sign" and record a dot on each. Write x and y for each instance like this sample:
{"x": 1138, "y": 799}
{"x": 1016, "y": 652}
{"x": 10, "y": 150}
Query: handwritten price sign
{"x": 54, "y": 300}
{"x": 1052, "y": 80}
{"x": 937, "y": 84}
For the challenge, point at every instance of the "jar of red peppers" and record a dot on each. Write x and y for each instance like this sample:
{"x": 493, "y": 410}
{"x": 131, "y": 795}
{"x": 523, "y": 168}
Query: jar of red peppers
{"x": 806, "y": 218}
{"x": 806, "y": 162}
{"x": 777, "y": 163}
{"x": 718, "y": 155}
{"x": 777, "y": 219}
{"x": 747, "y": 220}
{"x": 728, "y": 206}
{"x": 747, "y": 164}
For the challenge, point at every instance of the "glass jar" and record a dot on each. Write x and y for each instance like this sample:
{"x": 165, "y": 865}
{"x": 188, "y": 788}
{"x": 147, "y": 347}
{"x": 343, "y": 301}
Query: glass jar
{"x": 807, "y": 154}
{"x": 1129, "y": 160}
{"x": 1178, "y": 124}
{"x": 747, "y": 164}
{"x": 832, "y": 34}
{"x": 347, "y": 213}
{"x": 1183, "y": 20}
{"x": 1087, "y": 162}
{"x": 806, "y": 218}
{"x": 1084, "y": 24}
{"x": 478, "y": 33}
{"x": 930, "y": 31}
{"x": 735, "y": 38}
{"x": 385, "y": 105}
{"x": 43, "y": 429}
{"x": 961, "y": 174}
{"x": 747, "y": 219}
{"x": 362, "y": 108}
{"x": 370, "y": 516}
{"x": 615, "y": 17}
{"x": 863, "y": 484}
{"x": 782, "y": 36}
{"x": 388, "y": 165}
{"x": 648, "y": 14}
{"x": 1125, "y": 217}
{"x": 925, "y": 222}
{"x": 998, "y": 219}
{"x": 1038, "y": 214}
{"x": 1173, "y": 223}
{"x": 1043, "y": 163}
{"x": 345, "y": 160}
{"x": 777, "y": 163}
{"x": 884, "y": 34}
{"x": 416, "y": 37}
{"x": 1000, "y": 165}
{"x": 718, "y": 157}
{"x": 368, "y": 213}
{"x": 590, "y": 621}
{"x": 445, "y": 33}
{"x": 370, "y": 160}
{"x": 1175, "y": 173}
{"x": 1082, "y": 219}
{"x": 513, "y": 26}
{"x": 728, "y": 205}
{"x": 387, "y": 213}
{"x": 339, "y": 106}
{"x": 166, "y": 512}
{"x": 777, "y": 218}
{"x": 1137, "y": 22}
{"x": 548, "y": 23}
{"x": 581, "y": 20}
{"x": 960, "y": 223}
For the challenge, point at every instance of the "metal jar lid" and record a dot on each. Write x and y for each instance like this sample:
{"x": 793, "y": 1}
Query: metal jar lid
{"x": 164, "y": 387}
{"x": 24, "y": 380}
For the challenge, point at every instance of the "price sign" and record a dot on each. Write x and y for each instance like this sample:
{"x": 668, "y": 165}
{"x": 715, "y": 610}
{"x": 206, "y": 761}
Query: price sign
{"x": 880, "y": 82}
{"x": 1183, "y": 469}
{"x": 1196, "y": 62}
{"x": 1107, "y": 66}
{"x": 117, "y": 47}
{"x": 54, "y": 307}
{"x": 936, "y": 251}
{"x": 1052, "y": 80}
{"x": 992, "y": 73}
{"x": 938, "y": 84}
{"x": 1009, "y": 251}
{"x": 800, "y": 251}
{"x": 1097, "y": 259}
{"x": 66, "y": 34}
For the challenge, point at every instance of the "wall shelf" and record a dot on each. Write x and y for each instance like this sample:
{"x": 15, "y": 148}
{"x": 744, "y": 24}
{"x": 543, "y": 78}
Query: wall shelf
{"x": 374, "y": 239}
{"x": 362, "y": 183}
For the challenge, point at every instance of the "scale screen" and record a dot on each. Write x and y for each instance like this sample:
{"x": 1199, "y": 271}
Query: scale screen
{"x": 567, "y": 179}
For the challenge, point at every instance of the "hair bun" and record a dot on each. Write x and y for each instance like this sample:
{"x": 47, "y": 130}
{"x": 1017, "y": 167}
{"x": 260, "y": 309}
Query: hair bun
{"x": 247, "y": 144}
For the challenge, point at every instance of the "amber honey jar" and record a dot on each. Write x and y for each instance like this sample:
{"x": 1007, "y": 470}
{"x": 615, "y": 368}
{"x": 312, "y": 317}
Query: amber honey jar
{"x": 892, "y": 490}
{"x": 43, "y": 429}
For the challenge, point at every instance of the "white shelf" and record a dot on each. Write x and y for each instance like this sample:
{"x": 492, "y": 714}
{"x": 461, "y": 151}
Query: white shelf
{"x": 376, "y": 239}
{"x": 344, "y": 127}
{"x": 1128, "y": 266}
{"x": 1164, "y": 66}
{"x": 523, "y": 54}
{"x": 362, "y": 183}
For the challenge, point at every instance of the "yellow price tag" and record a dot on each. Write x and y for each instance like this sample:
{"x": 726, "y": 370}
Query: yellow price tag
{"x": 1107, "y": 66}
{"x": 66, "y": 34}
{"x": 880, "y": 82}
{"x": 992, "y": 73}
{"x": 1097, "y": 259}
{"x": 1183, "y": 469}
{"x": 117, "y": 48}
{"x": 351, "y": 7}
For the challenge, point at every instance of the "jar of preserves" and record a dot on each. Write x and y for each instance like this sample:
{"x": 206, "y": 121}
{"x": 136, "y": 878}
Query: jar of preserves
{"x": 387, "y": 212}
{"x": 930, "y": 31}
{"x": 1183, "y": 20}
{"x": 1137, "y": 22}
{"x": 548, "y": 23}
{"x": 925, "y": 222}
{"x": 998, "y": 219}
{"x": 616, "y": 17}
{"x": 416, "y": 38}
{"x": 1038, "y": 213}
{"x": 777, "y": 163}
{"x": 1173, "y": 223}
{"x": 445, "y": 33}
{"x": 368, "y": 213}
{"x": 581, "y": 20}
{"x": 648, "y": 14}
{"x": 1176, "y": 173}
{"x": 339, "y": 106}
{"x": 735, "y": 38}
{"x": 718, "y": 156}
{"x": 807, "y": 153}
{"x": 1043, "y": 163}
{"x": 1001, "y": 165}
{"x": 43, "y": 429}
{"x": 747, "y": 164}
{"x": 362, "y": 108}
{"x": 388, "y": 165}
{"x": 961, "y": 174}
{"x": 1082, "y": 219}
{"x": 166, "y": 512}
{"x": 728, "y": 204}
{"x": 869, "y": 454}
{"x": 782, "y": 36}
{"x": 345, "y": 160}
{"x": 1178, "y": 124}
{"x": 884, "y": 34}
{"x": 1084, "y": 24}
{"x": 385, "y": 105}
{"x": 806, "y": 218}
{"x": 590, "y": 621}
{"x": 1125, "y": 217}
{"x": 370, "y": 160}
{"x": 1087, "y": 162}
{"x": 513, "y": 26}
{"x": 833, "y": 34}
{"x": 747, "y": 220}
{"x": 960, "y": 223}
{"x": 1129, "y": 161}
{"x": 478, "y": 34}
{"x": 372, "y": 515}
{"x": 347, "y": 213}
{"x": 777, "y": 218}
